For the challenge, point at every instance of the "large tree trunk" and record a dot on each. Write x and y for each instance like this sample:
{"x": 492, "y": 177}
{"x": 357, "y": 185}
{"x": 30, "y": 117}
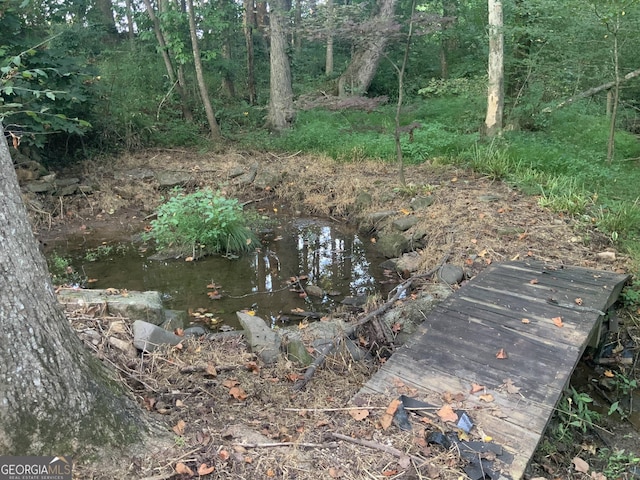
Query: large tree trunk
{"x": 364, "y": 61}
{"x": 281, "y": 113}
{"x": 495, "y": 95}
{"x": 55, "y": 397}
{"x": 106, "y": 17}
{"x": 214, "y": 128}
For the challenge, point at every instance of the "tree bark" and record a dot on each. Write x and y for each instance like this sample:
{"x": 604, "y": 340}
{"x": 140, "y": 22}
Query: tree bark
{"x": 281, "y": 113}
{"x": 357, "y": 78}
{"x": 249, "y": 23}
{"x": 214, "y": 128}
{"x": 55, "y": 397}
{"x": 328, "y": 64}
{"x": 495, "y": 96}
{"x": 106, "y": 15}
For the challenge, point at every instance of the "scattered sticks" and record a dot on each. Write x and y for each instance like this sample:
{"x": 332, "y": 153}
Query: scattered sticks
{"x": 325, "y": 350}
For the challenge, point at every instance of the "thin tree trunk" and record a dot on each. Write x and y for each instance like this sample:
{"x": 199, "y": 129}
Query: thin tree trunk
{"x": 328, "y": 66}
{"x": 495, "y": 96}
{"x": 214, "y": 128}
{"x": 281, "y": 113}
{"x": 449, "y": 10}
{"x": 54, "y": 395}
{"x": 401, "y": 70}
{"x": 249, "y": 24}
{"x": 130, "y": 29}
{"x": 611, "y": 145}
{"x": 164, "y": 51}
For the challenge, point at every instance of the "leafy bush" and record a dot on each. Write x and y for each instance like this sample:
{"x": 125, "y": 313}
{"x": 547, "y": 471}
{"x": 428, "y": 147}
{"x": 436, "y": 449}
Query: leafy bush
{"x": 201, "y": 223}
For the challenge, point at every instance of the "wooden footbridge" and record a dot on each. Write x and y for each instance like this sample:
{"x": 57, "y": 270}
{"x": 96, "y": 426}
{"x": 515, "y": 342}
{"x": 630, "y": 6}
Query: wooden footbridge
{"x": 518, "y": 329}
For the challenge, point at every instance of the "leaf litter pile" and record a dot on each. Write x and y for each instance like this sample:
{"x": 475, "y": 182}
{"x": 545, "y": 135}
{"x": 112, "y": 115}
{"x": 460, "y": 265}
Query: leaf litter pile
{"x": 229, "y": 415}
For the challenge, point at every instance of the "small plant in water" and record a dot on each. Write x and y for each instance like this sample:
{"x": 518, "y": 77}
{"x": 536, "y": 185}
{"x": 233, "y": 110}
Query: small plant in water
{"x": 62, "y": 272}
{"x": 201, "y": 223}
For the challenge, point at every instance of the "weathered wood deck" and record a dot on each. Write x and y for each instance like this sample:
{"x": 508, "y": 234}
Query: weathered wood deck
{"x": 458, "y": 342}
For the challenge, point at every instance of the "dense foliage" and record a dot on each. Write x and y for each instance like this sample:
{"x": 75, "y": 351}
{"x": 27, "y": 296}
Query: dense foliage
{"x": 201, "y": 223}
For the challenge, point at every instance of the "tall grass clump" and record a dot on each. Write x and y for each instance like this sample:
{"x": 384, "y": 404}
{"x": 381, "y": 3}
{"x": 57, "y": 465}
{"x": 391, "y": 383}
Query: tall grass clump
{"x": 201, "y": 223}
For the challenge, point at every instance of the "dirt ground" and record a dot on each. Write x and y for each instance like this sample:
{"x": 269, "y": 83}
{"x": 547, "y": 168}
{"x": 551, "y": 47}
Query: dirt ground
{"x": 232, "y": 417}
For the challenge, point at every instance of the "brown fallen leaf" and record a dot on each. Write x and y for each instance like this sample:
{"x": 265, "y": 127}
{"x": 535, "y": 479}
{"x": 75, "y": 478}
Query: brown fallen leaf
{"x": 224, "y": 455}
{"x": 510, "y": 387}
{"x": 447, "y": 414}
{"x": 487, "y": 397}
{"x": 580, "y": 465}
{"x": 335, "y": 472}
{"x": 533, "y": 281}
{"x": 578, "y": 301}
{"x": 502, "y": 354}
{"x": 525, "y": 320}
{"x": 359, "y": 413}
{"x": 210, "y": 370}
{"x": 179, "y": 427}
{"x": 182, "y": 469}
{"x": 387, "y": 417}
{"x": 557, "y": 321}
{"x": 230, "y": 382}
{"x": 475, "y": 388}
{"x": 238, "y": 393}
{"x": 203, "y": 469}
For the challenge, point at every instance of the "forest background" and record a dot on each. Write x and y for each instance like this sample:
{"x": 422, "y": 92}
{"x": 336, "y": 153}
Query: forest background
{"x": 81, "y": 79}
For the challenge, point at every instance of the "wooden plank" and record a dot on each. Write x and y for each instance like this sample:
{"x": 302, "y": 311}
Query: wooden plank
{"x": 457, "y": 344}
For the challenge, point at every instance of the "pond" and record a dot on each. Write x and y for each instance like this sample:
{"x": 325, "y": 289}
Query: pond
{"x": 272, "y": 281}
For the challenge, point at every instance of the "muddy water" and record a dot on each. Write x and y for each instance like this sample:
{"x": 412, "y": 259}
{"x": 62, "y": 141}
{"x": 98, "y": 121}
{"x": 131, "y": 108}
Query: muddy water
{"x": 333, "y": 257}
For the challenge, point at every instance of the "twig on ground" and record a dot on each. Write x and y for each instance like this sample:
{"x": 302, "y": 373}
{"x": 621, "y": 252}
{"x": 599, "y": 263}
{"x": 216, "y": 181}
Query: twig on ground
{"x": 287, "y": 444}
{"x": 377, "y": 446}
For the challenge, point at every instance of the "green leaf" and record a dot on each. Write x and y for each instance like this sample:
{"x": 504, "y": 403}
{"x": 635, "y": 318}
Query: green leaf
{"x": 16, "y": 61}
{"x": 613, "y": 408}
{"x": 8, "y": 90}
{"x": 50, "y": 95}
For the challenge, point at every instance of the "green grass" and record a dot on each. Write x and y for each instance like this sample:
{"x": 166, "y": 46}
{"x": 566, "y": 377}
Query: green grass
{"x": 564, "y": 163}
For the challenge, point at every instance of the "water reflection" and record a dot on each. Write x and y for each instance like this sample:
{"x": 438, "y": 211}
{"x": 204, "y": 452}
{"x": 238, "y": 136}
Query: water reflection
{"x": 334, "y": 258}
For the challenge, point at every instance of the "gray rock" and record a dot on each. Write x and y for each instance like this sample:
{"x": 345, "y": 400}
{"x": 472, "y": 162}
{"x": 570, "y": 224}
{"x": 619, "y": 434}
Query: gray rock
{"x": 409, "y": 262}
{"x": 195, "y": 331}
{"x": 174, "y": 319}
{"x": 363, "y": 200}
{"x": 295, "y": 347}
{"x": 65, "y": 182}
{"x": 247, "y": 177}
{"x": 405, "y": 223}
{"x": 135, "y": 174}
{"x": 451, "y": 274}
{"x": 392, "y": 245}
{"x": 168, "y": 179}
{"x": 314, "y": 291}
{"x": 267, "y": 178}
{"x": 67, "y": 191}
{"x": 145, "y": 306}
{"x": 420, "y": 203}
{"x": 40, "y": 187}
{"x": 148, "y": 337}
{"x": 263, "y": 340}
{"x": 235, "y": 171}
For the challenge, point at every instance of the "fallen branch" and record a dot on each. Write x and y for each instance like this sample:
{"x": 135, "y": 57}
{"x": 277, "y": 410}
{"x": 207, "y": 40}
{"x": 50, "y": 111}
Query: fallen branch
{"x": 287, "y": 444}
{"x": 378, "y": 446}
{"x": 330, "y": 347}
{"x": 592, "y": 91}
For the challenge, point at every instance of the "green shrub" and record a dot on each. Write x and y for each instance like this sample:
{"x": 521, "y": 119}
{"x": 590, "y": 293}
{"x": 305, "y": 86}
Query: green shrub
{"x": 201, "y": 223}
